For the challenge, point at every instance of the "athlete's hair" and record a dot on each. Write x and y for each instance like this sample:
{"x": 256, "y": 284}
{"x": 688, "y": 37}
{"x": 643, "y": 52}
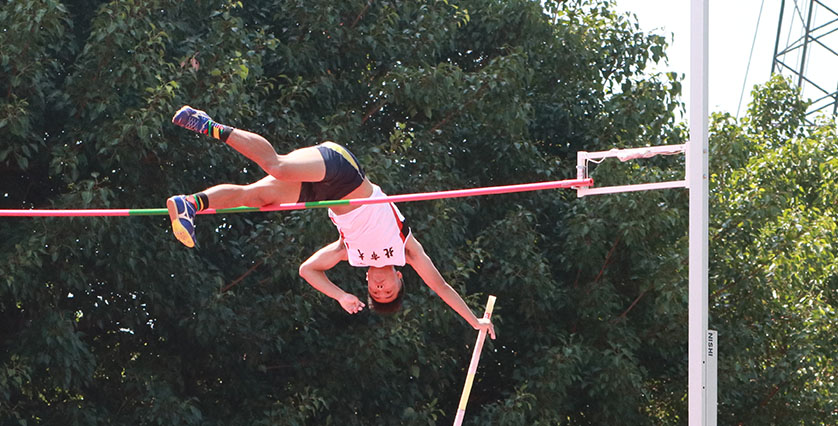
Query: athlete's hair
{"x": 390, "y": 307}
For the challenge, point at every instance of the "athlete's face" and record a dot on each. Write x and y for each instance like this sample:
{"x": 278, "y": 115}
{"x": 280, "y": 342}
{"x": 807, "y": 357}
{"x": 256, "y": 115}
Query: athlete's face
{"x": 383, "y": 283}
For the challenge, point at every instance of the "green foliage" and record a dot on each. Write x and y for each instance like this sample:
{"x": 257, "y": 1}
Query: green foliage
{"x": 32, "y": 68}
{"x": 111, "y": 321}
{"x": 773, "y": 265}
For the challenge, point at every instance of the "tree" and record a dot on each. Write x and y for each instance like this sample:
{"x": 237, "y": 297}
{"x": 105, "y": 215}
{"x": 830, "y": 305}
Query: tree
{"x": 773, "y": 264}
{"x": 111, "y": 321}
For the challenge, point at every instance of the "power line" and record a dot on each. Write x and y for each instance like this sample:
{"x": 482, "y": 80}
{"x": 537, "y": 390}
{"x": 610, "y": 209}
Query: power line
{"x": 750, "y": 57}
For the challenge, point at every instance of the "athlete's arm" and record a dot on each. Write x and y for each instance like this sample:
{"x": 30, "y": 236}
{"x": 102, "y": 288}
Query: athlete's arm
{"x": 314, "y": 270}
{"x": 416, "y": 257}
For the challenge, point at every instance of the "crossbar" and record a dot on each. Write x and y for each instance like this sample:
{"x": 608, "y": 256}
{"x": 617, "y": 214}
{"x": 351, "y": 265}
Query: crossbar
{"x": 419, "y": 196}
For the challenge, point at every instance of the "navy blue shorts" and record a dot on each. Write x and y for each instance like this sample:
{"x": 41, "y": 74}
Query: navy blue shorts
{"x": 343, "y": 175}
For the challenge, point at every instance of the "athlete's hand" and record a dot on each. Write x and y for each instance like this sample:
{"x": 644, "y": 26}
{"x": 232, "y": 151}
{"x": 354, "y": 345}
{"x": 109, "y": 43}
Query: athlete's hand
{"x": 486, "y": 324}
{"x": 351, "y": 304}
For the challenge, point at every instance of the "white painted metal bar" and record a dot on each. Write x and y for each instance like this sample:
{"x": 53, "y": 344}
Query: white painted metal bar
{"x": 581, "y": 165}
{"x": 697, "y": 179}
{"x": 583, "y": 191}
{"x": 632, "y": 152}
{"x": 712, "y": 376}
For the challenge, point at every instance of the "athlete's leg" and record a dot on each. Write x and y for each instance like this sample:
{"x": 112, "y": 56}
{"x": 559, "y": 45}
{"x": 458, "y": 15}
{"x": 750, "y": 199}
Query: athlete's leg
{"x": 263, "y": 193}
{"x": 286, "y": 172}
{"x": 269, "y": 190}
{"x": 302, "y": 165}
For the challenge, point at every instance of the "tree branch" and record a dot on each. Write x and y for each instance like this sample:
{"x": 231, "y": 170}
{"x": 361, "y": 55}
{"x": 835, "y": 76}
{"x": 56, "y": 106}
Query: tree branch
{"x": 604, "y": 265}
{"x": 774, "y": 390}
{"x": 633, "y": 304}
{"x": 456, "y": 112}
{"x": 362, "y": 14}
{"x": 373, "y": 110}
{"x": 242, "y": 277}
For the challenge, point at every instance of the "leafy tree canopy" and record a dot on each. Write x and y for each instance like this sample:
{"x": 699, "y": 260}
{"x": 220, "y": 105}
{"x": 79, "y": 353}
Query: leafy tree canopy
{"x": 110, "y": 320}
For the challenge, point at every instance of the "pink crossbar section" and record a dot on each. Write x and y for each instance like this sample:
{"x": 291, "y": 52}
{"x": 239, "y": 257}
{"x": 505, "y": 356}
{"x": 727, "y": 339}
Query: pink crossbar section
{"x": 455, "y": 193}
{"x": 420, "y": 196}
{"x": 64, "y": 213}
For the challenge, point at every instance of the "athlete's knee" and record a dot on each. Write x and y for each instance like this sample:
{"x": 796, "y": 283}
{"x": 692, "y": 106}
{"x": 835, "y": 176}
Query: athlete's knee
{"x": 276, "y": 167}
{"x": 303, "y": 270}
{"x": 254, "y": 196}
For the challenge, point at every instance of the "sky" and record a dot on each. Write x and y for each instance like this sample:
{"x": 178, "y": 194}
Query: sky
{"x": 732, "y": 27}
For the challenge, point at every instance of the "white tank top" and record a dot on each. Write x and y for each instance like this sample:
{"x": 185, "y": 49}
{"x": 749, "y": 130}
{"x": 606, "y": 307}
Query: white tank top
{"x": 373, "y": 234}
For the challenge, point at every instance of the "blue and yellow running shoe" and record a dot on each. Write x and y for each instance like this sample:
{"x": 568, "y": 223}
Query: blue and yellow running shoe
{"x": 182, "y": 214}
{"x": 192, "y": 119}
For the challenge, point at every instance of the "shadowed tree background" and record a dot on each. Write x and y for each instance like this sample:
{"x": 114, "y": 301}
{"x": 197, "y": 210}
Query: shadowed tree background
{"x": 112, "y": 321}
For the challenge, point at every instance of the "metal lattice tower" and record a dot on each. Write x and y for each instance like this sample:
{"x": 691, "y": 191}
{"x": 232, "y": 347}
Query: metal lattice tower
{"x": 809, "y": 31}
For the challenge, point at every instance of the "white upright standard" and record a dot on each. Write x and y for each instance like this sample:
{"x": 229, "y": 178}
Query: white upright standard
{"x": 701, "y": 400}
{"x": 697, "y": 181}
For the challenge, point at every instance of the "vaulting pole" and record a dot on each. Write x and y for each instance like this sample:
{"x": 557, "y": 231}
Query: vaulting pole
{"x": 472, "y": 368}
